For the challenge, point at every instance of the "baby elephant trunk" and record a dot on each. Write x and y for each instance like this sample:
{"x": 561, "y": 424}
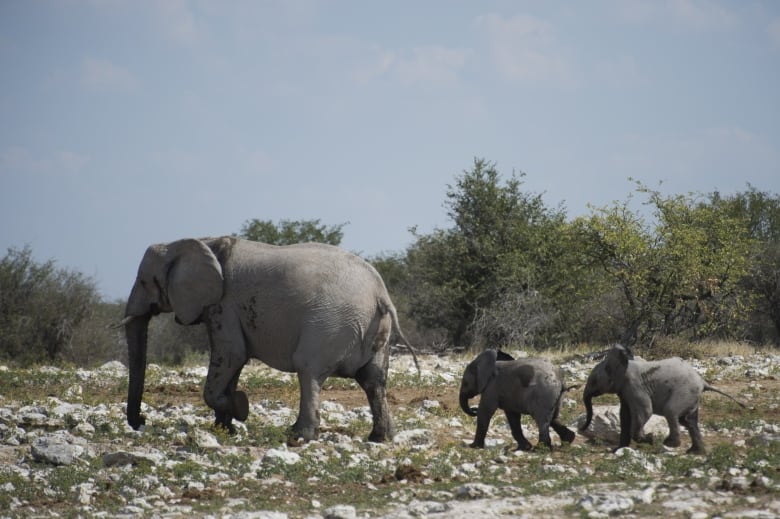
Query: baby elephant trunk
{"x": 464, "y": 404}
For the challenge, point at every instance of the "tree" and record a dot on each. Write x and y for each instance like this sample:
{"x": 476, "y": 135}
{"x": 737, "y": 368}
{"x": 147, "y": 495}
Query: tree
{"x": 681, "y": 275}
{"x": 503, "y": 240}
{"x": 288, "y": 232}
{"x": 760, "y": 211}
{"x": 40, "y": 307}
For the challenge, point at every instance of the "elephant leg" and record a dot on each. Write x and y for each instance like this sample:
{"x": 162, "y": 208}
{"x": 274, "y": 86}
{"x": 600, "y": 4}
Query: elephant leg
{"x": 691, "y": 422}
{"x": 625, "y": 424}
{"x": 673, "y": 440}
{"x": 307, "y": 426}
{"x": 566, "y": 434}
{"x": 544, "y": 433}
{"x": 517, "y": 431}
{"x": 223, "y": 419}
{"x": 485, "y": 413}
{"x": 373, "y": 379}
{"x": 228, "y": 356}
{"x": 641, "y": 413}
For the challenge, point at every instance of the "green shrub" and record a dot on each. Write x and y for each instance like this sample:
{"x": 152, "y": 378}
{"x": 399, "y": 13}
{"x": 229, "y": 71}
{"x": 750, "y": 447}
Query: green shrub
{"x": 41, "y": 307}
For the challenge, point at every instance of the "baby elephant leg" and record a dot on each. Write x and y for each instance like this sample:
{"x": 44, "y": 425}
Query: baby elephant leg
{"x": 643, "y": 414}
{"x": 517, "y": 431}
{"x": 566, "y": 434}
{"x": 673, "y": 440}
{"x": 691, "y": 422}
{"x": 484, "y": 416}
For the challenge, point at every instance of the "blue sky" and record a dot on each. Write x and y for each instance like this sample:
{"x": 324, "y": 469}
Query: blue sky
{"x": 126, "y": 123}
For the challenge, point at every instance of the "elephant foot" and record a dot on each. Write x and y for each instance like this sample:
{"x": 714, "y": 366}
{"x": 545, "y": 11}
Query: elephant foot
{"x": 136, "y": 421}
{"x": 380, "y": 437}
{"x": 696, "y": 449}
{"x": 302, "y": 434}
{"x": 239, "y": 406}
{"x": 672, "y": 442}
{"x": 226, "y": 426}
{"x": 524, "y": 447}
{"x": 566, "y": 435}
{"x": 646, "y": 438}
{"x": 477, "y": 445}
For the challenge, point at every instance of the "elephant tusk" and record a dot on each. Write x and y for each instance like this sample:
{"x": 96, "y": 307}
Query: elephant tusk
{"x": 121, "y": 323}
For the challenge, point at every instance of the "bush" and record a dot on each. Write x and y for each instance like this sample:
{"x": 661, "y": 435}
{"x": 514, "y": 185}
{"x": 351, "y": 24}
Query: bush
{"x": 41, "y": 307}
{"x": 94, "y": 340}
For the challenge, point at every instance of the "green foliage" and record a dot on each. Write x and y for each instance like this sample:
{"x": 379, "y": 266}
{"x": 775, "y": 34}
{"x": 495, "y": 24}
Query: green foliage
{"x": 680, "y": 276}
{"x": 501, "y": 242}
{"x": 760, "y": 212}
{"x": 41, "y": 307}
{"x": 288, "y": 232}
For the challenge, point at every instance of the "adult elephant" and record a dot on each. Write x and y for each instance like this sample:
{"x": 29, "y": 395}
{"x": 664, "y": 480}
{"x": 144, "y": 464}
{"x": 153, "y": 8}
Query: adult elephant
{"x": 312, "y": 309}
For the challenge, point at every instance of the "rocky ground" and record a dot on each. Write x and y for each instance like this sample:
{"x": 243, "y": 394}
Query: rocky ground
{"x": 65, "y": 450}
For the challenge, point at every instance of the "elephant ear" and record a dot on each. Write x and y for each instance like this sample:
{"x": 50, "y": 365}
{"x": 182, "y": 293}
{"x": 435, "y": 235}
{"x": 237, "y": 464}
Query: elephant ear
{"x": 501, "y": 355}
{"x": 617, "y": 360}
{"x": 486, "y": 369}
{"x": 624, "y": 354}
{"x": 526, "y": 374}
{"x": 195, "y": 279}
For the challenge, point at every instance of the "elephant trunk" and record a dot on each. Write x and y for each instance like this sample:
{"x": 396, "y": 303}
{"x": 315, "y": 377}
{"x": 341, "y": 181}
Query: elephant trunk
{"x": 588, "y": 401}
{"x": 136, "y": 333}
{"x": 464, "y": 404}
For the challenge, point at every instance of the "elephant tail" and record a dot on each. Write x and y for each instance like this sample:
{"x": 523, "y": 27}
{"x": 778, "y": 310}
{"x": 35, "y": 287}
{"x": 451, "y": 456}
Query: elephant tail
{"x": 708, "y": 387}
{"x": 396, "y": 329}
{"x": 557, "y": 407}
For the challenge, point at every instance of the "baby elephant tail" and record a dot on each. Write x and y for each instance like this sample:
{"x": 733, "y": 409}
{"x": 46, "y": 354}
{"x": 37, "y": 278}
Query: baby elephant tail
{"x": 708, "y": 387}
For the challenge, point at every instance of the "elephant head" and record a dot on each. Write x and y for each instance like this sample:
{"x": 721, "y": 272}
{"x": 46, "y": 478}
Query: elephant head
{"x": 183, "y": 277}
{"x": 477, "y": 375}
{"x": 605, "y": 378}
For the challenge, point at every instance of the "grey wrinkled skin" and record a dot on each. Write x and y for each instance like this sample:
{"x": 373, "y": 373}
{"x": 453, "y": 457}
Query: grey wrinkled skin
{"x": 525, "y": 386}
{"x": 312, "y": 309}
{"x": 670, "y": 388}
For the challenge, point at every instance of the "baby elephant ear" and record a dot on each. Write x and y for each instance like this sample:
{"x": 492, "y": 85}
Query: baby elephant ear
{"x": 526, "y": 374}
{"x": 504, "y": 356}
{"x": 486, "y": 368}
{"x": 624, "y": 352}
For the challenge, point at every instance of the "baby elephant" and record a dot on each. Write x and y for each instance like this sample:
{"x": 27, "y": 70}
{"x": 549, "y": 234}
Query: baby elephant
{"x": 670, "y": 388}
{"x": 524, "y": 386}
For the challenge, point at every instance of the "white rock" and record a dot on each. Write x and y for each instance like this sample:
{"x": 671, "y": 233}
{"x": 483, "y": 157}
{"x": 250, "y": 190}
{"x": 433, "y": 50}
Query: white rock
{"x": 340, "y": 512}
{"x": 113, "y": 368}
{"x": 414, "y": 437}
{"x": 60, "y": 448}
{"x": 606, "y": 425}
{"x": 84, "y": 429}
{"x": 608, "y": 505}
{"x": 204, "y": 439}
{"x": 283, "y": 456}
{"x": 84, "y": 493}
{"x": 475, "y": 491}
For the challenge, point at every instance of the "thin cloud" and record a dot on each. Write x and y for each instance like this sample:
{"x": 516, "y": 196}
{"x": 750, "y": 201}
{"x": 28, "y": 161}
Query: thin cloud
{"x": 102, "y": 74}
{"x": 175, "y": 21}
{"x": 420, "y": 65}
{"x": 697, "y": 14}
{"x": 524, "y": 48}
{"x": 431, "y": 65}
